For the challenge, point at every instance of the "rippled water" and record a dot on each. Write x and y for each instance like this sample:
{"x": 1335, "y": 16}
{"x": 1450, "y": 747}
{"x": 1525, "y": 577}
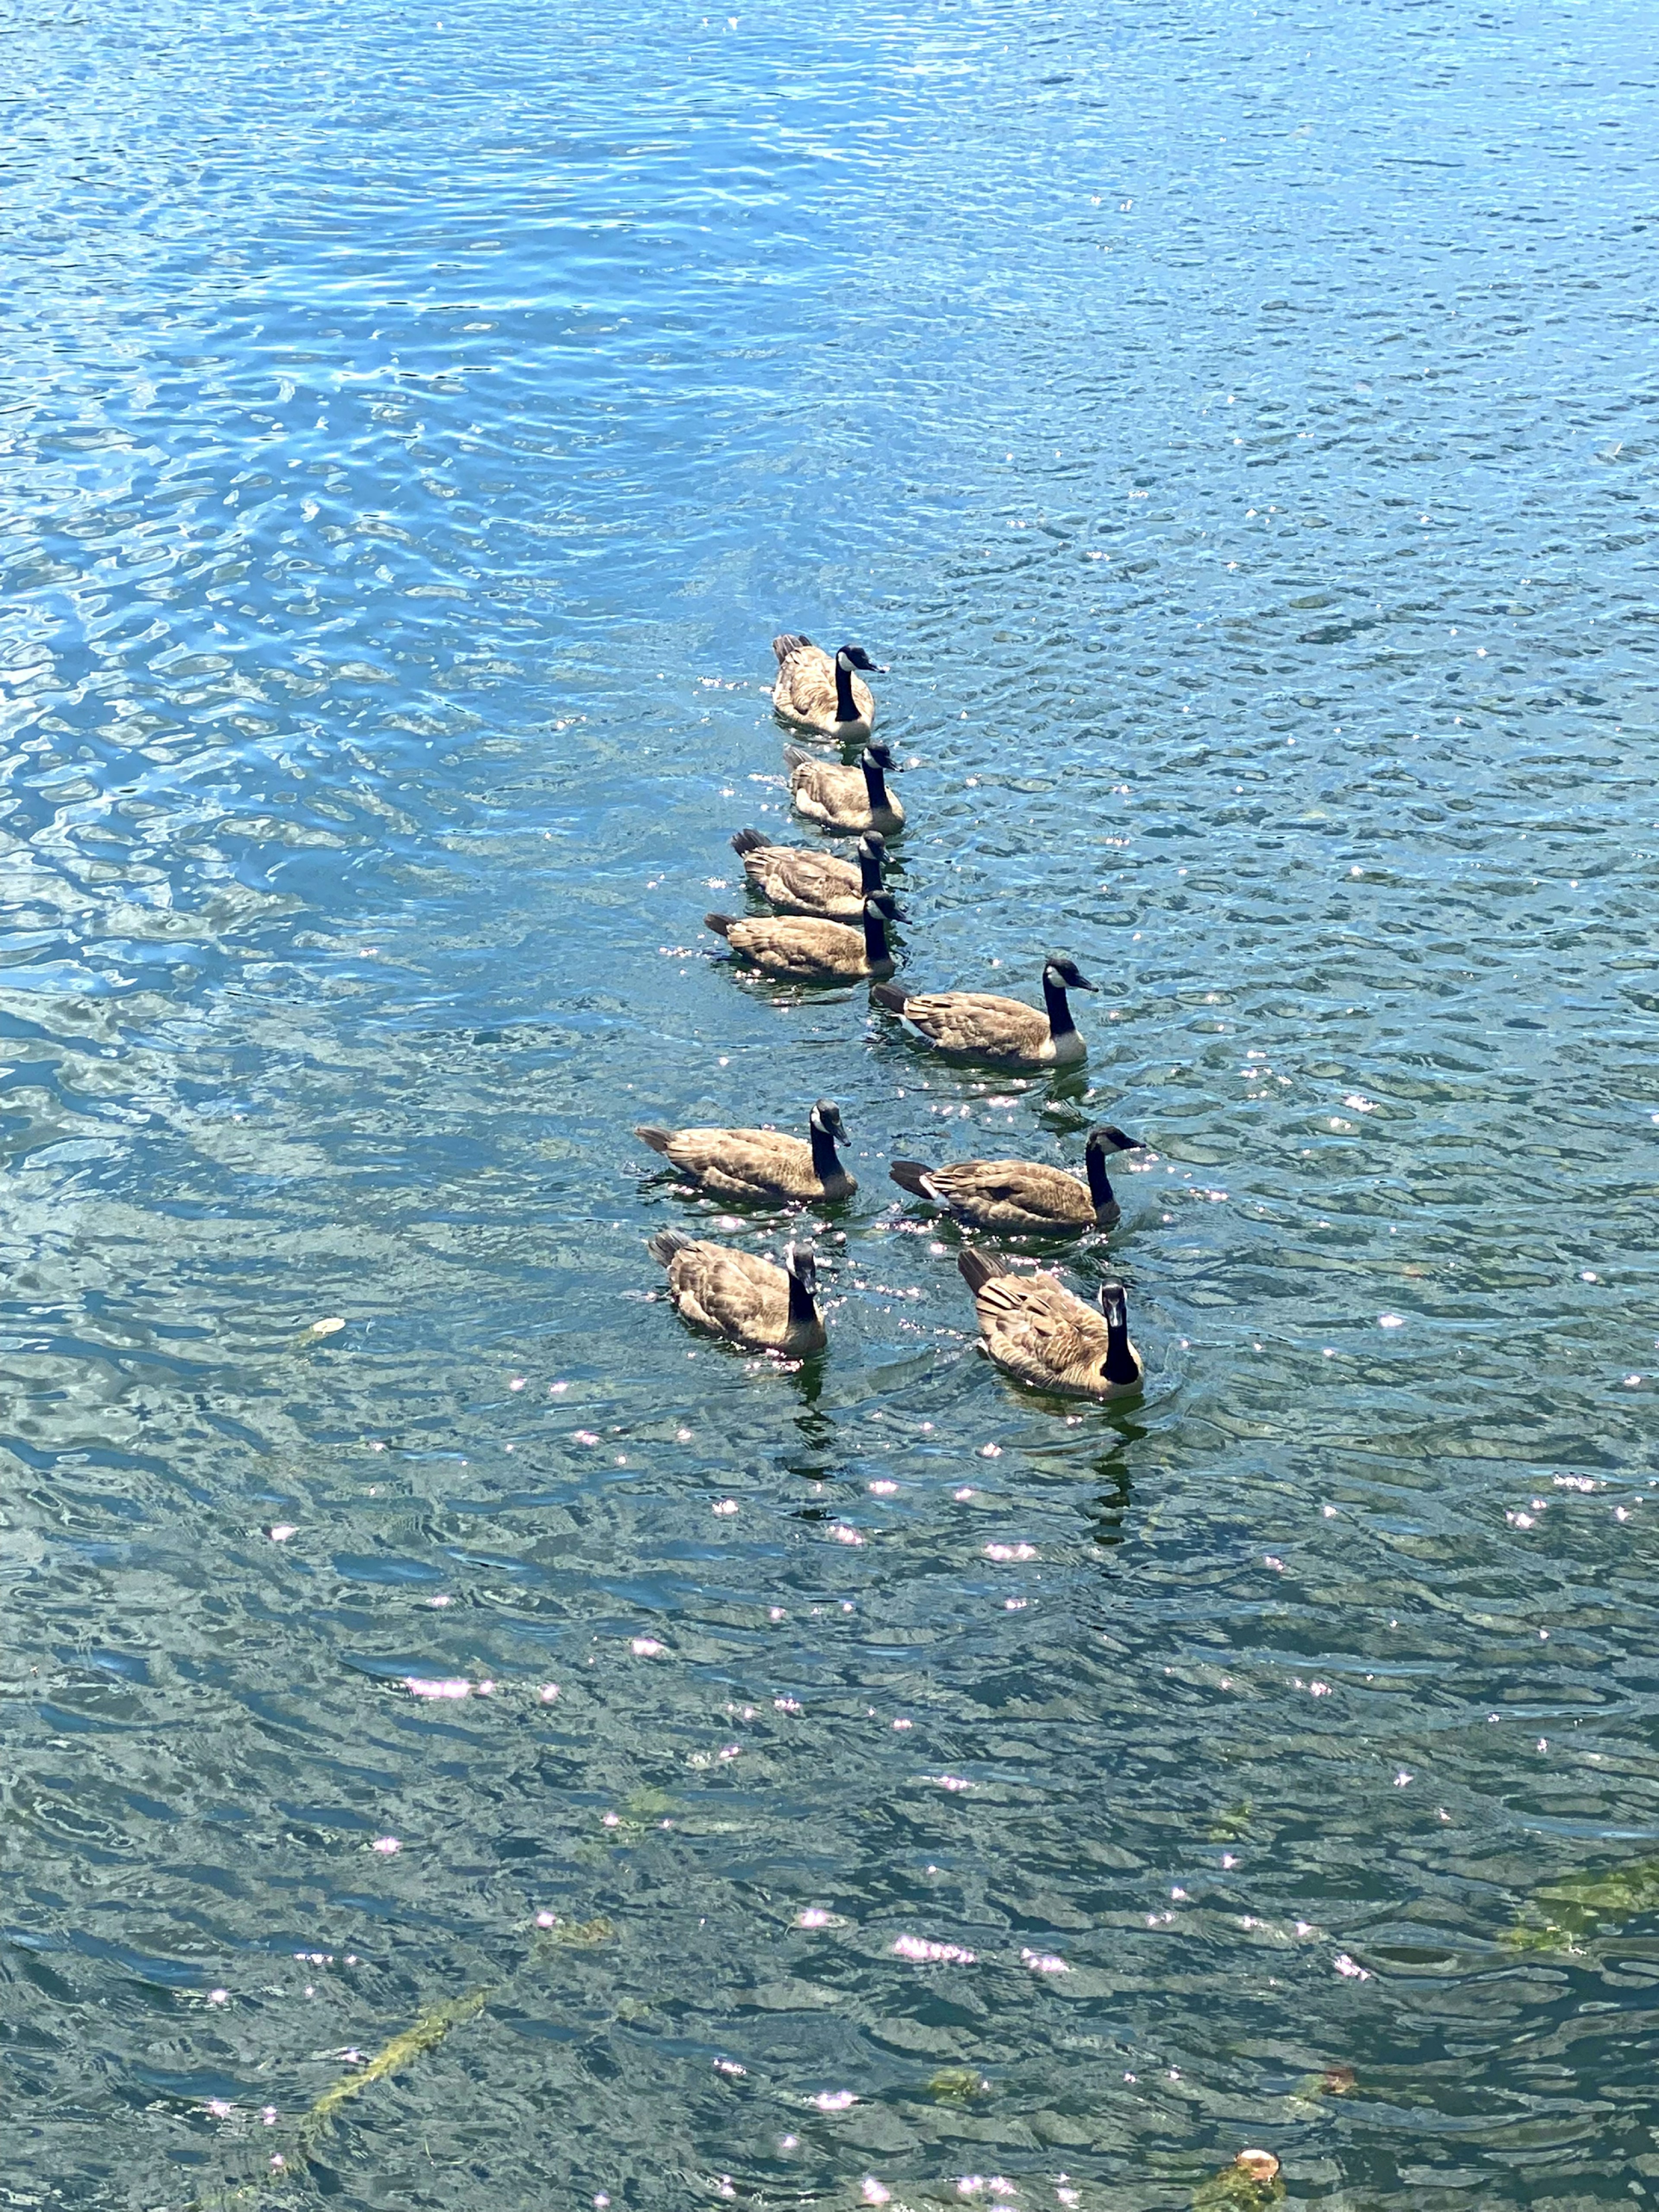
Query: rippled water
{"x": 1234, "y": 426}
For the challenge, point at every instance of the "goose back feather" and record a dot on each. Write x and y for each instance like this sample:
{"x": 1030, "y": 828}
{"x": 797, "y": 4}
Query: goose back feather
{"x": 807, "y": 694}
{"x": 746, "y": 1300}
{"x": 761, "y": 1164}
{"x": 1035, "y": 1330}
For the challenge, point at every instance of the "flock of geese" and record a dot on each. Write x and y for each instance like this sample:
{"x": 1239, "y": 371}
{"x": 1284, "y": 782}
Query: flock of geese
{"x": 828, "y": 923}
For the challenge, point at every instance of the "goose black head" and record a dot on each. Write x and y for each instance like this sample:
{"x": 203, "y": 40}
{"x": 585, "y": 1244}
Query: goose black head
{"x": 855, "y": 656}
{"x": 1103, "y": 1138}
{"x": 800, "y": 1263}
{"x": 884, "y": 904}
{"x": 882, "y": 754}
{"x": 1066, "y": 972}
{"x": 826, "y": 1118}
{"x": 1114, "y": 1304}
{"x": 872, "y": 846}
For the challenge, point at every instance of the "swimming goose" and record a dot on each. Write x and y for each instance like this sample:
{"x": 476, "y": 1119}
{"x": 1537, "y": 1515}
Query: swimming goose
{"x": 1037, "y": 1331}
{"x": 977, "y": 1026}
{"x": 1019, "y": 1196}
{"x": 846, "y": 799}
{"x": 820, "y": 692}
{"x": 760, "y": 1164}
{"x": 798, "y": 880}
{"x": 746, "y": 1300}
{"x": 797, "y": 950}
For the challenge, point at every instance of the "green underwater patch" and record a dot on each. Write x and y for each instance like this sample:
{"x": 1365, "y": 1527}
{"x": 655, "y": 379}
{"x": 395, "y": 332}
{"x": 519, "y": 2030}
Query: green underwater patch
{"x": 1561, "y": 1914}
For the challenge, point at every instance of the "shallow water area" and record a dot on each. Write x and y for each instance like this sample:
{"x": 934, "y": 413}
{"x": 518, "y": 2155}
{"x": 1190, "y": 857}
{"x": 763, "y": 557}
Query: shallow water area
{"x": 657, "y": 1775}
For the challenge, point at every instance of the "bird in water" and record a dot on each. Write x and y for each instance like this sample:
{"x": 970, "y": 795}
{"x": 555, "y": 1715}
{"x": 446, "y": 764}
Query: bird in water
{"x": 819, "y": 691}
{"x": 1021, "y": 1197}
{"x": 1036, "y": 1331}
{"x": 799, "y": 879}
{"x": 846, "y": 801}
{"x": 746, "y": 1300}
{"x": 975, "y": 1026}
{"x": 761, "y": 1164}
{"x": 797, "y": 950}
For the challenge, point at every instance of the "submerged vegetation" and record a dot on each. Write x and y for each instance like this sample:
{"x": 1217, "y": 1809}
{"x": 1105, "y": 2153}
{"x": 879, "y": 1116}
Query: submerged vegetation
{"x": 1560, "y": 1915}
{"x": 423, "y": 2034}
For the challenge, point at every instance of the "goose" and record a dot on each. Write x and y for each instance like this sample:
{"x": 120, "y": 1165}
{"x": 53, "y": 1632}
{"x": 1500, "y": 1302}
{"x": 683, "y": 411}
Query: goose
{"x": 797, "y": 950}
{"x": 1019, "y": 1196}
{"x": 819, "y": 691}
{"x": 1035, "y": 1330}
{"x": 977, "y": 1026}
{"x": 760, "y": 1164}
{"x": 734, "y": 1295}
{"x": 846, "y": 799}
{"x": 798, "y": 880}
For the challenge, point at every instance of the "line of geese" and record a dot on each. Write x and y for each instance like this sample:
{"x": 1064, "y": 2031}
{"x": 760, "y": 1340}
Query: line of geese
{"x": 830, "y": 925}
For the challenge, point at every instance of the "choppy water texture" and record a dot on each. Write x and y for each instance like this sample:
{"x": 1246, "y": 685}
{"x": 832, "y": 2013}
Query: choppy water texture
{"x": 1235, "y": 425}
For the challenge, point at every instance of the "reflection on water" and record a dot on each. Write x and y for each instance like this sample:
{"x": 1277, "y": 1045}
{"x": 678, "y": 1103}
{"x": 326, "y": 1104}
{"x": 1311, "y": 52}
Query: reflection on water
{"x": 1233, "y": 429}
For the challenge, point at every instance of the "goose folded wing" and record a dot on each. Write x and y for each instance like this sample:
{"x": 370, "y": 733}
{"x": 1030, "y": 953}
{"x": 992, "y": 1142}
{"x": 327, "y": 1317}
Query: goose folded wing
{"x": 975, "y": 1021}
{"x": 731, "y": 1292}
{"x": 742, "y": 1159}
{"x": 1039, "y": 1330}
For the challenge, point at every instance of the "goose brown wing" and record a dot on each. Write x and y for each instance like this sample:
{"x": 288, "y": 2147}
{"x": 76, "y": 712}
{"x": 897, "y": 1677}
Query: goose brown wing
{"x": 817, "y": 883}
{"x": 799, "y": 944}
{"x": 731, "y": 1292}
{"x": 1040, "y": 1332}
{"x": 976, "y": 1021}
{"x": 805, "y": 687}
{"x": 745, "y": 1163}
{"x": 1013, "y": 1194}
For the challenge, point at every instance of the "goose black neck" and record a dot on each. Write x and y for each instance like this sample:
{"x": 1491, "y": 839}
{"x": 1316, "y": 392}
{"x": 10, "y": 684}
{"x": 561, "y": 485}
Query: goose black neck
{"x": 1119, "y": 1365}
{"x": 870, "y": 871}
{"x": 874, "y": 783}
{"x": 824, "y": 1162}
{"x": 1094, "y": 1161}
{"x": 875, "y": 935}
{"x": 803, "y": 1307}
{"x": 1059, "y": 1012}
{"x": 845, "y": 705}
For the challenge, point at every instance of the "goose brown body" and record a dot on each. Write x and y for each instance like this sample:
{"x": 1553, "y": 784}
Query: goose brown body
{"x": 797, "y": 949}
{"x": 743, "y": 1298}
{"x": 796, "y": 880}
{"x": 847, "y": 800}
{"x": 1034, "y": 1328}
{"x": 1022, "y": 1197}
{"x": 976, "y": 1025}
{"x": 807, "y": 693}
{"x": 761, "y": 1166}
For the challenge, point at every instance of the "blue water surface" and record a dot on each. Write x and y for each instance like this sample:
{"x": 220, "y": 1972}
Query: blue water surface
{"x": 1233, "y": 425}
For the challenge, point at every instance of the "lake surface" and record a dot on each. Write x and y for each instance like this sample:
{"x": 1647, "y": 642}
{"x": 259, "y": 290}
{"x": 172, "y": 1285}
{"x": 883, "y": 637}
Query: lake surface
{"x": 1234, "y": 427}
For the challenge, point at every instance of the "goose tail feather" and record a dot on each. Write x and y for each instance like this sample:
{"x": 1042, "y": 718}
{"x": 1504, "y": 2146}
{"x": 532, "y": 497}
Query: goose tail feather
{"x": 796, "y": 757}
{"x": 890, "y": 996}
{"x": 666, "y": 1243}
{"x": 749, "y": 841}
{"x": 654, "y": 1134}
{"x": 979, "y": 1266}
{"x": 911, "y": 1176}
{"x": 788, "y": 641}
{"x": 722, "y": 924}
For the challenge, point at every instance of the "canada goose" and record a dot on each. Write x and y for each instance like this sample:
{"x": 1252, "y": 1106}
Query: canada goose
{"x": 798, "y": 880}
{"x": 797, "y": 950}
{"x": 760, "y": 1164}
{"x": 1037, "y": 1331}
{"x": 819, "y": 691}
{"x": 846, "y": 799}
{"x": 1019, "y": 1196}
{"x": 734, "y": 1295}
{"x": 979, "y": 1027}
